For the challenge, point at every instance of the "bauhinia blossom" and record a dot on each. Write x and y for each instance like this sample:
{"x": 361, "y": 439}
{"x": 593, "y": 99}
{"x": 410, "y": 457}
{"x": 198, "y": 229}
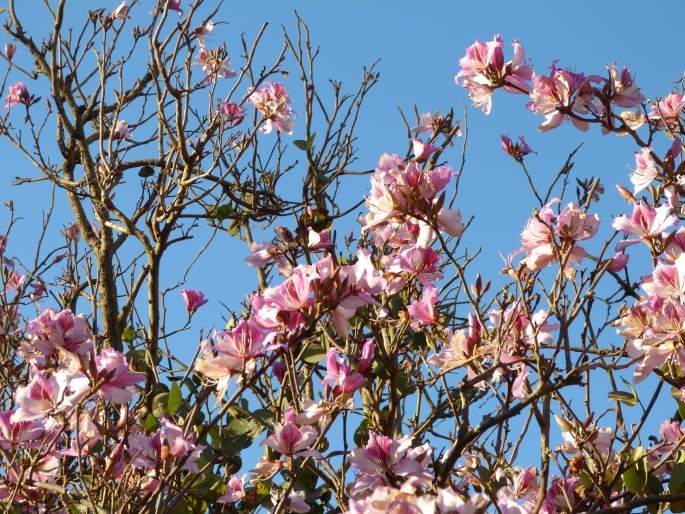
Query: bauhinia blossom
{"x": 235, "y": 490}
{"x": 645, "y": 222}
{"x": 384, "y": 457}
{"x": 274, "y": 103}
{"x": 666, "y": 113}
{"x": 564, "y": 94}
{"x": 424, "y": 310}
{"x": 483, "y": 70}
{"x": 117, "y": 378}
{"x": 49, "y": 393}
{"x": 215, "y": 63}
{"x": 193, "y": 300}
{"x": 18, "y": 94}
{"x": 291, "y": 439}
{"x": 645, "y": 170}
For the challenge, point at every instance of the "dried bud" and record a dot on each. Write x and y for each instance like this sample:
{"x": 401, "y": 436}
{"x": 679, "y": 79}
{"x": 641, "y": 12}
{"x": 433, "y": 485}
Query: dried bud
{"x": 9, "y": 50}
{"x": 627, "y": 195}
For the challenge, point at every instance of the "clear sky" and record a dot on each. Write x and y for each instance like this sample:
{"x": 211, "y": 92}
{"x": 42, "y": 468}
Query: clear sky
{"x": 419, "y": 44}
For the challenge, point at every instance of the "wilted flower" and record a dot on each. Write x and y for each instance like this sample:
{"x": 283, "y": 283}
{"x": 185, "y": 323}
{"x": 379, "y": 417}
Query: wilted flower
{"x": 10, "y": 49}
{"x": 516, "y": 150}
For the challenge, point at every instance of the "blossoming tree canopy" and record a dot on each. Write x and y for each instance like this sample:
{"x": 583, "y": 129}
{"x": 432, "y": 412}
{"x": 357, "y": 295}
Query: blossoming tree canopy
{"x": 379, "y": 370}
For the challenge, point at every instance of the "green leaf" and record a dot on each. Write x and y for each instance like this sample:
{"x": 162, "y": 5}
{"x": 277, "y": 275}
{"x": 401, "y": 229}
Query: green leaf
{"x": 128, "y": 335}
{"x": 146, "y": 171}
{"x": 150, "y": 423}
{"x": 244, "y": 427}
{"x": 361, "y": 434}
{"x": 159, "y": 405}
{"x": 677, "y": 478}
{"x": 635, "y": 477}
{"x": 623, "y": 397}
{"x": 222, "y": 212}
{"x": 313, "y": 354}
{"x": 405, "y": 384}
{"x": 174, "y": 400}
{"x": 266, "y": 415}
{"x": 301, "y": 144}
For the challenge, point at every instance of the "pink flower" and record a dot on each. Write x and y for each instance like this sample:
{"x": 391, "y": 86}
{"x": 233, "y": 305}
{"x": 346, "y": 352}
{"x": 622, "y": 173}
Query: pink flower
{"x": 292, "y": 440}
{"x": 296, "y": 502}
{"x": 72, "y": 232}
{"x": 121, "y": 12}
{"x": 645, "y": 170}
{"x": 564, "y": 94}
{"x": 236, "y": 353}
{"x": 646, "y": 223}
{"x": 449, "y": 221}
{"x": 422, "y": 150}
{"x": 49, "y": 393}
{"x": 171, "y": 435}
{"x": 483, "y": 70}
{"x": 384, "y": 457}
{"x": 618, "y": 262}
{"x": 506, "y": 502}
{"x": 215, "y": 64}
{"x": 233, "y": 113}
{"x": 86, "y": 435}
{"x": 193, "y": 300}
{"x": 175, "y": 5}
{"x": 339, "y": 375}
{"x": 424, "y": 310}
{"x": 294, "y": 293}
{"x": 274, "y": 103}
{"x": 570, "y": 226}
{"x": 368, "y": 351}
{"x": 668, "y": 280}
{"x": 18, "y": 94}
{"x": 624, "y": 91}
{"x": 516, "y": 150}
{"x": 118, "y": 378}
{"x": 425, "y": 123}
{"x": 14, "y": 434}
{"x": 262, "y": 254}
{"x": 561, "y": 495}
{"x": 666, "y": 113}
{"x": 52, "y": 331}
{"x": 423, "y": 263}
{"x": 318, "y": 240}
{"x": 14, "y": 282}
{"x": 458, "y": 349}
{"x": 235, "y": 490}
{"x": 121, "y": 130}
{"x": 10, "y": 49}
{"x": 519, "y": 389}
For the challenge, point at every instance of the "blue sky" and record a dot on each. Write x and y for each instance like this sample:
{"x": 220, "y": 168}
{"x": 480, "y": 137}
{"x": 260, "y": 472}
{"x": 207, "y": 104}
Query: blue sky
{"x": 419, "y": 45}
